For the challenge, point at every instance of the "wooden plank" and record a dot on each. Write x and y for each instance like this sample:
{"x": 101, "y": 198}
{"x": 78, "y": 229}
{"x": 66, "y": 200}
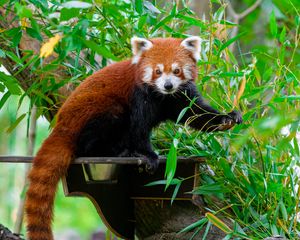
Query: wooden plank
{"x": 100, "y": 160}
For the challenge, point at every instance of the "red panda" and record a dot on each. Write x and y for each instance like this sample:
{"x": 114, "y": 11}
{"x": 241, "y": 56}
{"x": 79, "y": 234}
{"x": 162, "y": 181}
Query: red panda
{"x": 112, "y": 113}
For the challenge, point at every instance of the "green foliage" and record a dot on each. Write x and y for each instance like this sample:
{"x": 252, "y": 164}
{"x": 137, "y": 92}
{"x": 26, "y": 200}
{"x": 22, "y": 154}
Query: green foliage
{"x": 251, "y": 177}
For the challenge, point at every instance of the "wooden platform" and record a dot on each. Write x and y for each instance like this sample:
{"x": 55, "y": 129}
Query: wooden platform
{"x": 113, "y": 184}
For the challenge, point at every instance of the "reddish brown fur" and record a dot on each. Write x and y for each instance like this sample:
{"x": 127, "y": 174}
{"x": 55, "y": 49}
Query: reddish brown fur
{"x": 166, "y": 51}
{"x": 106, "y": 90}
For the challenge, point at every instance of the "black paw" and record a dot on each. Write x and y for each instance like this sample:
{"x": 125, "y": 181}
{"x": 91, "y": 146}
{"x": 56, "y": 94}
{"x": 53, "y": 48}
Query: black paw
{"x": 236, "y": 116}
{"x": 229, "y": 120}
{"x": 151, "y": 159}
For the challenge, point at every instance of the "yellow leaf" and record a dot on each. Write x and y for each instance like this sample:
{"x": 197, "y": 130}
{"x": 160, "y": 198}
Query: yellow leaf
{"x": 240, "y": 91}
{"x": 2, "y": 30}
{"x": 218, "y": 223}
{"x": 48, "y": 47}
{"x": 24, "y": 23}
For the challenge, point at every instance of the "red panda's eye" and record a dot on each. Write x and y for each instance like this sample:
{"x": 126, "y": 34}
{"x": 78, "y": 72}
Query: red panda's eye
{"x": 158, "y": 72}
{"x": 176, "y": 71}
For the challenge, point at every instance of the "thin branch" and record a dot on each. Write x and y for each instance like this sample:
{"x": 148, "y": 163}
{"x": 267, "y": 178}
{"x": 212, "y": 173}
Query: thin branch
{"x": 250, "y": 9}
{"x": 238, "y": 16}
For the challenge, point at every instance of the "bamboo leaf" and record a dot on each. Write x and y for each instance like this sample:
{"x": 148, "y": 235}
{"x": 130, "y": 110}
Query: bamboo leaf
{"x": 230, "y": 41}
{"x": 175, "y": 191}
{"x": 102, "y": 50}
{"x": 174, "y": 181}
{"x": 273, "y": 24}
{"x": 4, "y": 99}
{"x": 199, "y": 223}
{"x": 218, "y": 223}
{"x": 282, "y": 35}
{"x": 16, "y": 123}
{"x": 138, "y": 4}
{"x": 11, "y": 84}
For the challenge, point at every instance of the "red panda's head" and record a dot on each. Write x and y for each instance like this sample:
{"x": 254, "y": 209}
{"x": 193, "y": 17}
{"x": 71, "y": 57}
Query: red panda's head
{"x": 166, "y": 63}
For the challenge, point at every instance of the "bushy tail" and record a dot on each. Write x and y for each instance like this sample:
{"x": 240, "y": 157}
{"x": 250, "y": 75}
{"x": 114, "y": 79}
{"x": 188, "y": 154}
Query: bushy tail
{"x": 49, "y": 165}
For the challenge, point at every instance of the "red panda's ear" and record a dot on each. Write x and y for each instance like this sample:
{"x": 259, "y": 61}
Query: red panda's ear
{"x": 193, "y": 44}
{"x": 139, "y": 45}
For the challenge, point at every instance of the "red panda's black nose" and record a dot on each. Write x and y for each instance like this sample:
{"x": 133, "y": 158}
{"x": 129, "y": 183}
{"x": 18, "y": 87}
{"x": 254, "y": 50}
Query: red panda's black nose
{"x": 168, "y": 86}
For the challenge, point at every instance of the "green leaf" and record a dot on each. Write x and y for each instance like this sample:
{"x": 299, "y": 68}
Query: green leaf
{"x": 16, "y": 123}
{"x": 210, "y": 189}
{"x": 68, "y": 13}
{"x": 171, "y": 165}
{"x": 227, "y": 170}
{"x": 11, "y": 84}
{"x": 22, "y": 11}
{"x": 181, "y": 114}
{"x": 17, "y": 38}
{"x": 192, "y": 21}
{"x": 174, "y": 9}
{"x": 231, "y": 74}
{"x": 174, "y": 181}
{"x": 175, "y": 192}
{"x": 273, "y": 24}
{"x": 102, "y": 50}
{"x": 13, "y": 57}
{"x": 208, "y": 226}
{"x": 138, "y": 4}
{"x": 2, "y": 88}
{"x": 34, "y": 34}
{"x": 297, "y": 20}
{"x": 42, "y": 96}
{"x": 289, "y": 98}
{"x": 162, "y": 23}
{"x": 283, "y": 211}
{"x": 199, "y": 223}
{"x": 142, "y": 21}
{"x": 230, "y": 41}
{"x": 4, "y": 99}
{"x": 296, "y": 146}
{"x": 282, "y": 35}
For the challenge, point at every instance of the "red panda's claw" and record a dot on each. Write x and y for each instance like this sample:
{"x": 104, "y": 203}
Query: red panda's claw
{"x": 151, "y": 165}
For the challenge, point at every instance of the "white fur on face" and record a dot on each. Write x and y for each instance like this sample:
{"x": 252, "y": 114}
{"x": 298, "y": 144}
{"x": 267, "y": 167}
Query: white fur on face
{"x": 160, "y": 83}
{"x": 160, "y": 67}
{"x": 147, "y": 76}
{"x": 187, "y": 71}
{"x": 174, "y": 66}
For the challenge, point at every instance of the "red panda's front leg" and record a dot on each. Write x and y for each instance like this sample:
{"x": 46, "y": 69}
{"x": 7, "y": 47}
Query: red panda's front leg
{"x": 144, "y": 115}
{"x": 205, "y": 118}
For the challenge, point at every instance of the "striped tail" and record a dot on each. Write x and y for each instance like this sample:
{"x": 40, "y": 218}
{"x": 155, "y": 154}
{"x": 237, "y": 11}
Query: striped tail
{"x": 49, "y": 165}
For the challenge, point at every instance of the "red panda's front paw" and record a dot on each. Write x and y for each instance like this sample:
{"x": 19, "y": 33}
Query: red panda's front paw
{"x": 236, "y": 116}
{"x": 229, "y": 120}
{"x": 151, "y": 165}
{"x": 151, "y": 159}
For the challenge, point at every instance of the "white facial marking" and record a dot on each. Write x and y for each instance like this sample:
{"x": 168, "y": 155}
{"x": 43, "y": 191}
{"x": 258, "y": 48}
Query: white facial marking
{"x": 160, "y": 67}
{"x": 187, "y": 72}
{"x": 168, "y": 78}
{"x": 139, "y": 45}
{"x": 193, "y": 44}
{"x": 174, "y": 66}
{"x": 147, "y": 74}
